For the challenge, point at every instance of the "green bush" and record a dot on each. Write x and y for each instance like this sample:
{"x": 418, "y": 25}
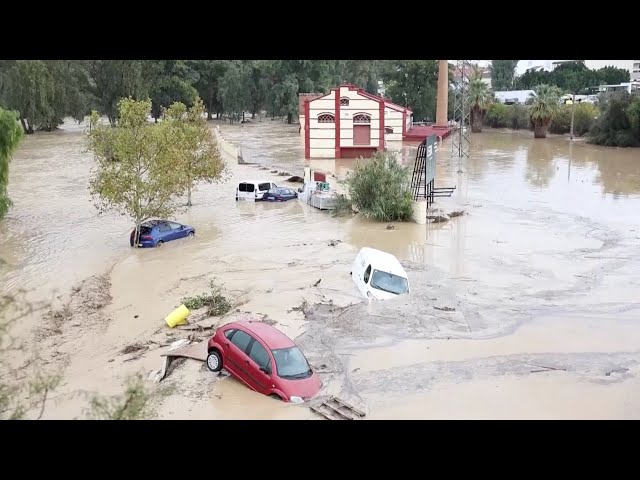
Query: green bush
{"x": 618, "y": 124}
{"x": 583, "y": 118}
{"x": 516, "y": 117}
{"x": 380, "y": 188}
{"x": 496, "y": 116}
{"x": 500, "y": 115}
{"x": 562, "y": 123}
{"x": 216, "y": 303}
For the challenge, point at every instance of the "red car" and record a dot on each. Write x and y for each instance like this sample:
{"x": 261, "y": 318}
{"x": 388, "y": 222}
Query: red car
{"x": 264, "y": 359}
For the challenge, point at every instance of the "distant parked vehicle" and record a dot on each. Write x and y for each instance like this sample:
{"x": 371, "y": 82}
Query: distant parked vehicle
{"x": 153, "y": 233}
{"x": 264, "y": 359}
{"x": 379, "y": 275}
{"x": 253, "y": 190}
{"x": 279, "y": 194}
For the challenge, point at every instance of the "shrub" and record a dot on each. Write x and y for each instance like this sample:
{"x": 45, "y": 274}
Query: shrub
{"x": 561, "y": 123}
{"x": 618, "y": 124}
{"x": 583, "y": 118}
{"x": 496, "y": 116}
{"x": 518, "y": 117}
{"x": 380, "y": 188}
{"x": 216, "y": 302}
{"x": 507, "y": 116}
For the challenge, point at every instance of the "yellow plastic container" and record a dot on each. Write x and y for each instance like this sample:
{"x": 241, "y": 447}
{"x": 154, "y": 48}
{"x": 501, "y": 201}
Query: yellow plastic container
{"x": 177, "y": 317}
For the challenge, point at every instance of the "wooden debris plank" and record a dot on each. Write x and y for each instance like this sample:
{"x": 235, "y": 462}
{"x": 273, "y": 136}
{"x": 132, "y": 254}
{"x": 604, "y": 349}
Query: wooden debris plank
{"x": 333, "y": 408}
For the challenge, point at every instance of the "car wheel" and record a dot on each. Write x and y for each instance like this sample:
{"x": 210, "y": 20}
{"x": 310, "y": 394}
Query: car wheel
{"x": 236, "y": 198}
{"x": 191, "y": 234}
{"x": 214, "y": 361}
{"x": 275, "y": 396}
{"x": 159, "y": 244}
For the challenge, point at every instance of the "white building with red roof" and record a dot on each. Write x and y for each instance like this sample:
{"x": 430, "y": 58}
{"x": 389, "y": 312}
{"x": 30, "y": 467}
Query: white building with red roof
{"x": 348, "y": 122}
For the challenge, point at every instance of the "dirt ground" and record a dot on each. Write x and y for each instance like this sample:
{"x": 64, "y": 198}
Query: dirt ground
{"x": 525, "y": 307}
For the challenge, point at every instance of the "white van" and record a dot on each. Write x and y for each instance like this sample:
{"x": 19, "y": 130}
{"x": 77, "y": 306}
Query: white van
{"x": 253, "y": 189}
{"x": 379, "y": 275}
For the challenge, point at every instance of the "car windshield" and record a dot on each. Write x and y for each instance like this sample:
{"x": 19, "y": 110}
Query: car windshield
{"x": 291, "y": 363}
{"x": 388, "y": 282}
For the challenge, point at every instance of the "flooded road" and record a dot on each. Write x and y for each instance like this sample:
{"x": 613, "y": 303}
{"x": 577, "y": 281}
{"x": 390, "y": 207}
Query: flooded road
{"x": 542, "y": 270}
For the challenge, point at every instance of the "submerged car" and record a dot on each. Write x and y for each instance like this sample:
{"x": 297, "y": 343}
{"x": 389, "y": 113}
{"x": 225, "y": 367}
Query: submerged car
{"x": 264, "y": 359}
{"x": 253, "y": 190}
{"x": 153, "y": 233}
{"x": 279, "y": 194}
{"x": 378, "y": 275}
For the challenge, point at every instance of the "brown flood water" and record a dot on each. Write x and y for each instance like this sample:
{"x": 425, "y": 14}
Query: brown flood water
{"x": 542, "y": 271}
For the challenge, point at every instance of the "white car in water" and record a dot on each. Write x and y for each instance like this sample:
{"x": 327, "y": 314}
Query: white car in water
{"x": 378, "y": 275}
{"x": 253, "y": 190}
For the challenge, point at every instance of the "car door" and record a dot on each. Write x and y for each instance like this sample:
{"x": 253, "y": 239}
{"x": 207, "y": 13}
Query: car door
{"x": 177, "y": 230}
{"x": 236, "y": 358}
{"x": 259, "y": 358}
{"x": 164, "y": 231}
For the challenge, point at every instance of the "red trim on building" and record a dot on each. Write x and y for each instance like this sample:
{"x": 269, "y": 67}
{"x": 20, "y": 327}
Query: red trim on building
{"x": 404, "y": 123}
{"x": 337, "y": 108}
{"x": 381, "y": 129}
{"x": 307, "y": 131}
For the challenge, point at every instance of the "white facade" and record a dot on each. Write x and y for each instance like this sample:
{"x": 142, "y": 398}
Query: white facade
{"x": 635, "y": 71}
{"x": 348, "y": 122}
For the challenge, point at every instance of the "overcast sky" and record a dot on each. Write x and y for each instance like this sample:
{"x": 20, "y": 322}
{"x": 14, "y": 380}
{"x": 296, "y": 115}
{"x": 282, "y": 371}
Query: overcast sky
{"x": 523, "y": 65}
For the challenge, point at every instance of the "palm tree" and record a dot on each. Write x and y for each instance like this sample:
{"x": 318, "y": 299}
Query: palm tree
{"x": 480, "y": 97}
{"x": 544, "y": 106}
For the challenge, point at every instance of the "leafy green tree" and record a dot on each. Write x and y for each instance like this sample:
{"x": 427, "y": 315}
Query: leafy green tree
{"x": 543, "y": 108}
{"x": 611, "y": 75}
{"x": 254, "y": 70}
{"x": 503, "y": 74}
{"x": 618, "y": 124}
{"x": 171, "y": 81}
{"x": 36, "y": 91}
{"x": 112, "y": 80}
{"x": 137, "y": 173}
{"x": 10, "y": 137}
{"x": 210, "y": 72}
{"x": 413, "y": 83}
{"x": 233, "y": 90}
{"x": 194, "y": 145}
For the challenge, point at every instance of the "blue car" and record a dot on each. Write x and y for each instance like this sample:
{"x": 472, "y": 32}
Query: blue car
{"x": 279, "y": 194}
{"x": 154, "y": 233}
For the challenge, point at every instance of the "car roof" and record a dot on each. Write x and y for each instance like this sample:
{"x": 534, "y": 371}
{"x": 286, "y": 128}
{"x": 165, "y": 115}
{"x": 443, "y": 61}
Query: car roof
{"x": 156, "y": 222}
{"x": 255, "y": 181}
{"x": 273, "y": 337}
{"x": 383, "y": 261}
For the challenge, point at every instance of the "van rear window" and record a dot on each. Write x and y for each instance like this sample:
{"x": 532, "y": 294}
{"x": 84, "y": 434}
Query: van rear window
{"x": 246, "y": 187}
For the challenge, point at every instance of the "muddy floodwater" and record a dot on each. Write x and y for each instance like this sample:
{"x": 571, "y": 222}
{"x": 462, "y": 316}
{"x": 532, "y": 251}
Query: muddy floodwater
{"x": 525, "y": 307}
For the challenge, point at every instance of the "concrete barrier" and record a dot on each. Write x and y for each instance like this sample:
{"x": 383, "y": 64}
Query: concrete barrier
{"x": 419, "y": 211}
{"x": 224, "y": 145}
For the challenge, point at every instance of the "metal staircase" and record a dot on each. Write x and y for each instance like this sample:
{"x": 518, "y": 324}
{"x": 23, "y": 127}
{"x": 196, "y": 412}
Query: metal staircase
{"x": 424, "y": 172}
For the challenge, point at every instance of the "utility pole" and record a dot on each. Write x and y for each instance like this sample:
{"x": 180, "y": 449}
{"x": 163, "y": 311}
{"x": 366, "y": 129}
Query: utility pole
{"x": 573, "y": 111}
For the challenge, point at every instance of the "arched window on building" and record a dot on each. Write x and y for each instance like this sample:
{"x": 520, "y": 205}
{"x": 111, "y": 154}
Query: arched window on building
{"x": 344, "y": 102}
{"x": 388, "y": 130}
{"x": 326, "y": 118}
{"x": 361, "y": 118}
